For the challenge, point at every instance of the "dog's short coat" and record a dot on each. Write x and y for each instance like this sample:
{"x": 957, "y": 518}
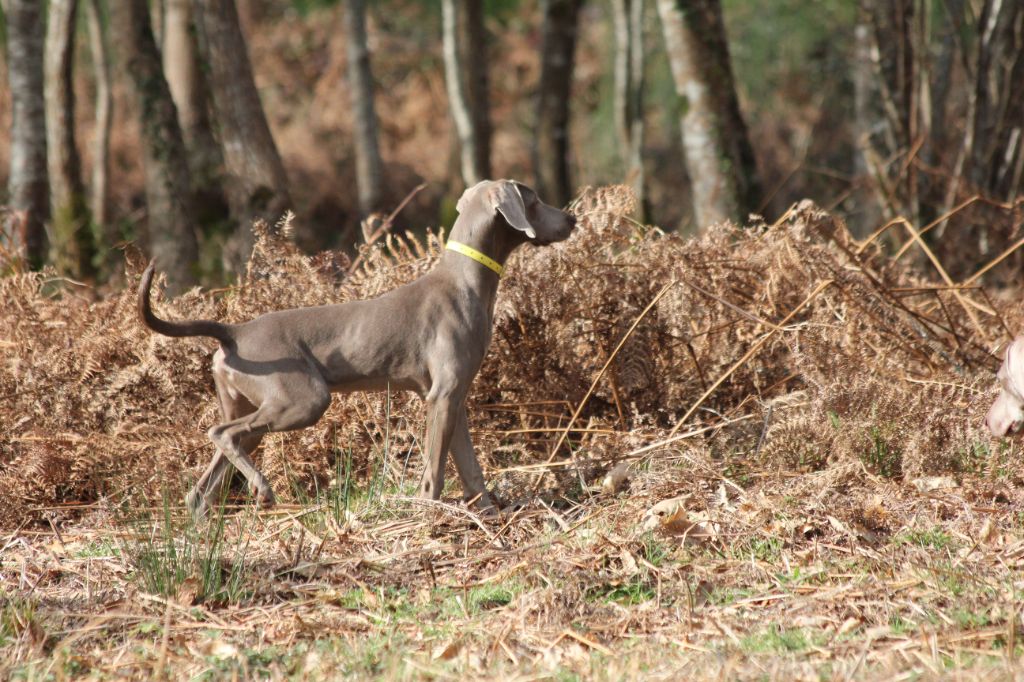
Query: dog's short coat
{"x": 277, "y": 372}
{"x": 1007, "y": 413}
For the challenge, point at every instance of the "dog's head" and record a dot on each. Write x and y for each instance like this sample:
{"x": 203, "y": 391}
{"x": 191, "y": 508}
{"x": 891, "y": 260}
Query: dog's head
{"x": 519, "y": 207}
{"x": 1007, "y": 413}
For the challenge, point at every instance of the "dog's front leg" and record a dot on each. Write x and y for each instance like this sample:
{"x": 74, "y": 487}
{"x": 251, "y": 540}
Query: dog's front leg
{"x": 442, "y": 413}
{"x": 467, "y": 464}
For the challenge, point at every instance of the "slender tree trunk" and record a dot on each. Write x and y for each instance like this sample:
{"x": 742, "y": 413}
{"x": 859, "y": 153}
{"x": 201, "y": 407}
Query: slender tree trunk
{"x": 895, "y": 49}
{"x": 99, "y": 199}
{"x": 868, "y": 120}
{"x": 256, "y": 183}
{"x": 70, "y": 234}
{"x": 168, "y": 195}
{"x": 1000, "y": 116}
{"x": 369, "y": 173}
{"x": 465, "y": 67}
{"x": 551, "y": 141}
{"x": 932, "y": 143}
{"x": 1008, "y": 178}
{"x": 938, "y": 141}
{"x": 188, "y": 88}
{"x": 157, "y": 15}
{"x": 719, "y": 158}
{"x": 629, "y": 91}
{"x": 28, "y": 185}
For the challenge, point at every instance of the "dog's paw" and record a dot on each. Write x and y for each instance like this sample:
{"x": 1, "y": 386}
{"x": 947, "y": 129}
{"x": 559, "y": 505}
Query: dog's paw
{"x": 197, "y": 505}
{"x": 483, "y": 506}
{"x": 264, "y": 496}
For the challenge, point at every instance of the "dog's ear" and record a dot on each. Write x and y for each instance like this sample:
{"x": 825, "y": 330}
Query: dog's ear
{"x": 1015, "y": 365}
{"x": 467, "y": 195}
{"x": 508, "y": 201}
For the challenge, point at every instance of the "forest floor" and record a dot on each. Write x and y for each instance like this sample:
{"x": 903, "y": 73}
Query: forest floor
{"x": 779, "y": 471}
{"x": 762, "y": 584}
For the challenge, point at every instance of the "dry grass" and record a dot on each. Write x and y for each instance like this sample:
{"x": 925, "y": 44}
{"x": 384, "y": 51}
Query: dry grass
{"x": 811, "y": 407}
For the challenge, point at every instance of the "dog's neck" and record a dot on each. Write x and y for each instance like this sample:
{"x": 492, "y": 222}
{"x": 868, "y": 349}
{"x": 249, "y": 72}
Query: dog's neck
{"x": 490, "y": 236}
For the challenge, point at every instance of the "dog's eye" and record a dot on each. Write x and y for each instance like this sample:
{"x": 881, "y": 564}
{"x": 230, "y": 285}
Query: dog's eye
{"x": 528, "y": 195}
{"x": 1008, "y": 386}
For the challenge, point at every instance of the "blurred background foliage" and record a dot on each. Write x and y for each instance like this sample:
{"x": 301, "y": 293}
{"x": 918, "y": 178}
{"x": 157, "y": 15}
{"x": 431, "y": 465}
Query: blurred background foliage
{"x": 795, "y": 64}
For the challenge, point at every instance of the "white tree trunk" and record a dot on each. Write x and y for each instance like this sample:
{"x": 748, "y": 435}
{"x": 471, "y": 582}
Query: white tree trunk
{"x": 719, "y": 158}
{"x": 99, "y": 201}
{"x": 189, "y": 90}
{"x": 629, "y": 90}
{"x": 465, "y": 65}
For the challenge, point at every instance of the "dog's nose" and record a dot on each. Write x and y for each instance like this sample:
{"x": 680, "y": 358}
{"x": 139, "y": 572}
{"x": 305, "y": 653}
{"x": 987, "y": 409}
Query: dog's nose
{"x": 572, "y": 220}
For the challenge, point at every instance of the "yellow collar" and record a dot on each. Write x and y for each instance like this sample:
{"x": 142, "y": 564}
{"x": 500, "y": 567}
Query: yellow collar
{"x": 459, "y": 247}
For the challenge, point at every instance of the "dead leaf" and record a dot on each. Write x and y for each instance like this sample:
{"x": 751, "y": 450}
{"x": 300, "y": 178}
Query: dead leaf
{"x": 676, "y": 523}
{"x": 664, "y": 512}
{"x": 848, "y": 625}
{"x": 702, "y": 593}
{"x": 927, "y": 484}
{"x": 987, "y": 531}
{"x": 615, "y": 479}
{"x": 700, "y": 533}
{"x": 447, "y": 652}
{"x": 188, "y": 592}
{"x": 841, "y": 527}
{"x": 722, "y": 498}
{"x": 629, "y": 564}
{"x": 218, "y": 648}
{"x": 670, "y": 517}
{"x": 857, "y": 532}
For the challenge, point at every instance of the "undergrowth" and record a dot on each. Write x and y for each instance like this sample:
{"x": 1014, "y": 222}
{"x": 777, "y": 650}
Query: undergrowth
{"x": 174, "y": 555}
{"x": 806, "y": 488}
{"x": 874, "y": 366}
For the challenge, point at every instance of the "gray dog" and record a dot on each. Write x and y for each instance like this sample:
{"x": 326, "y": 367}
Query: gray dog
{"x": 277, "y": 372}
{"x": 1007, "y": 412}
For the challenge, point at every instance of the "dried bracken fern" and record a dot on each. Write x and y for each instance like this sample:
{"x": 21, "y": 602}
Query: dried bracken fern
{"x": 878, "y": 374}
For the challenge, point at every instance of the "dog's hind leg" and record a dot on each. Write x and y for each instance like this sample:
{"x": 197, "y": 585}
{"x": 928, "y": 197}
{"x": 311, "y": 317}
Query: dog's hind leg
{"x": 296, "y": 401}
{"x": 209, "y": 489}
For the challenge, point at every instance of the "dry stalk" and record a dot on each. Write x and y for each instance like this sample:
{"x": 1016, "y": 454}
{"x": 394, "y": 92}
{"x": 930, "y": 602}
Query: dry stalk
{"x": 994, "y": 262}
{"x": 915, "y": 235}
{"x": 750, "y": 353}
{"x": 607, "y": 364}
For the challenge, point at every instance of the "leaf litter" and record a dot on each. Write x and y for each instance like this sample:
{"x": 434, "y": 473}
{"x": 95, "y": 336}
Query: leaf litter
{"x": 754, "y": 453}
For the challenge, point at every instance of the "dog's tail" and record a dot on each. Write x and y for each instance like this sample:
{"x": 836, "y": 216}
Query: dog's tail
{"x": 217, "y": 330}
